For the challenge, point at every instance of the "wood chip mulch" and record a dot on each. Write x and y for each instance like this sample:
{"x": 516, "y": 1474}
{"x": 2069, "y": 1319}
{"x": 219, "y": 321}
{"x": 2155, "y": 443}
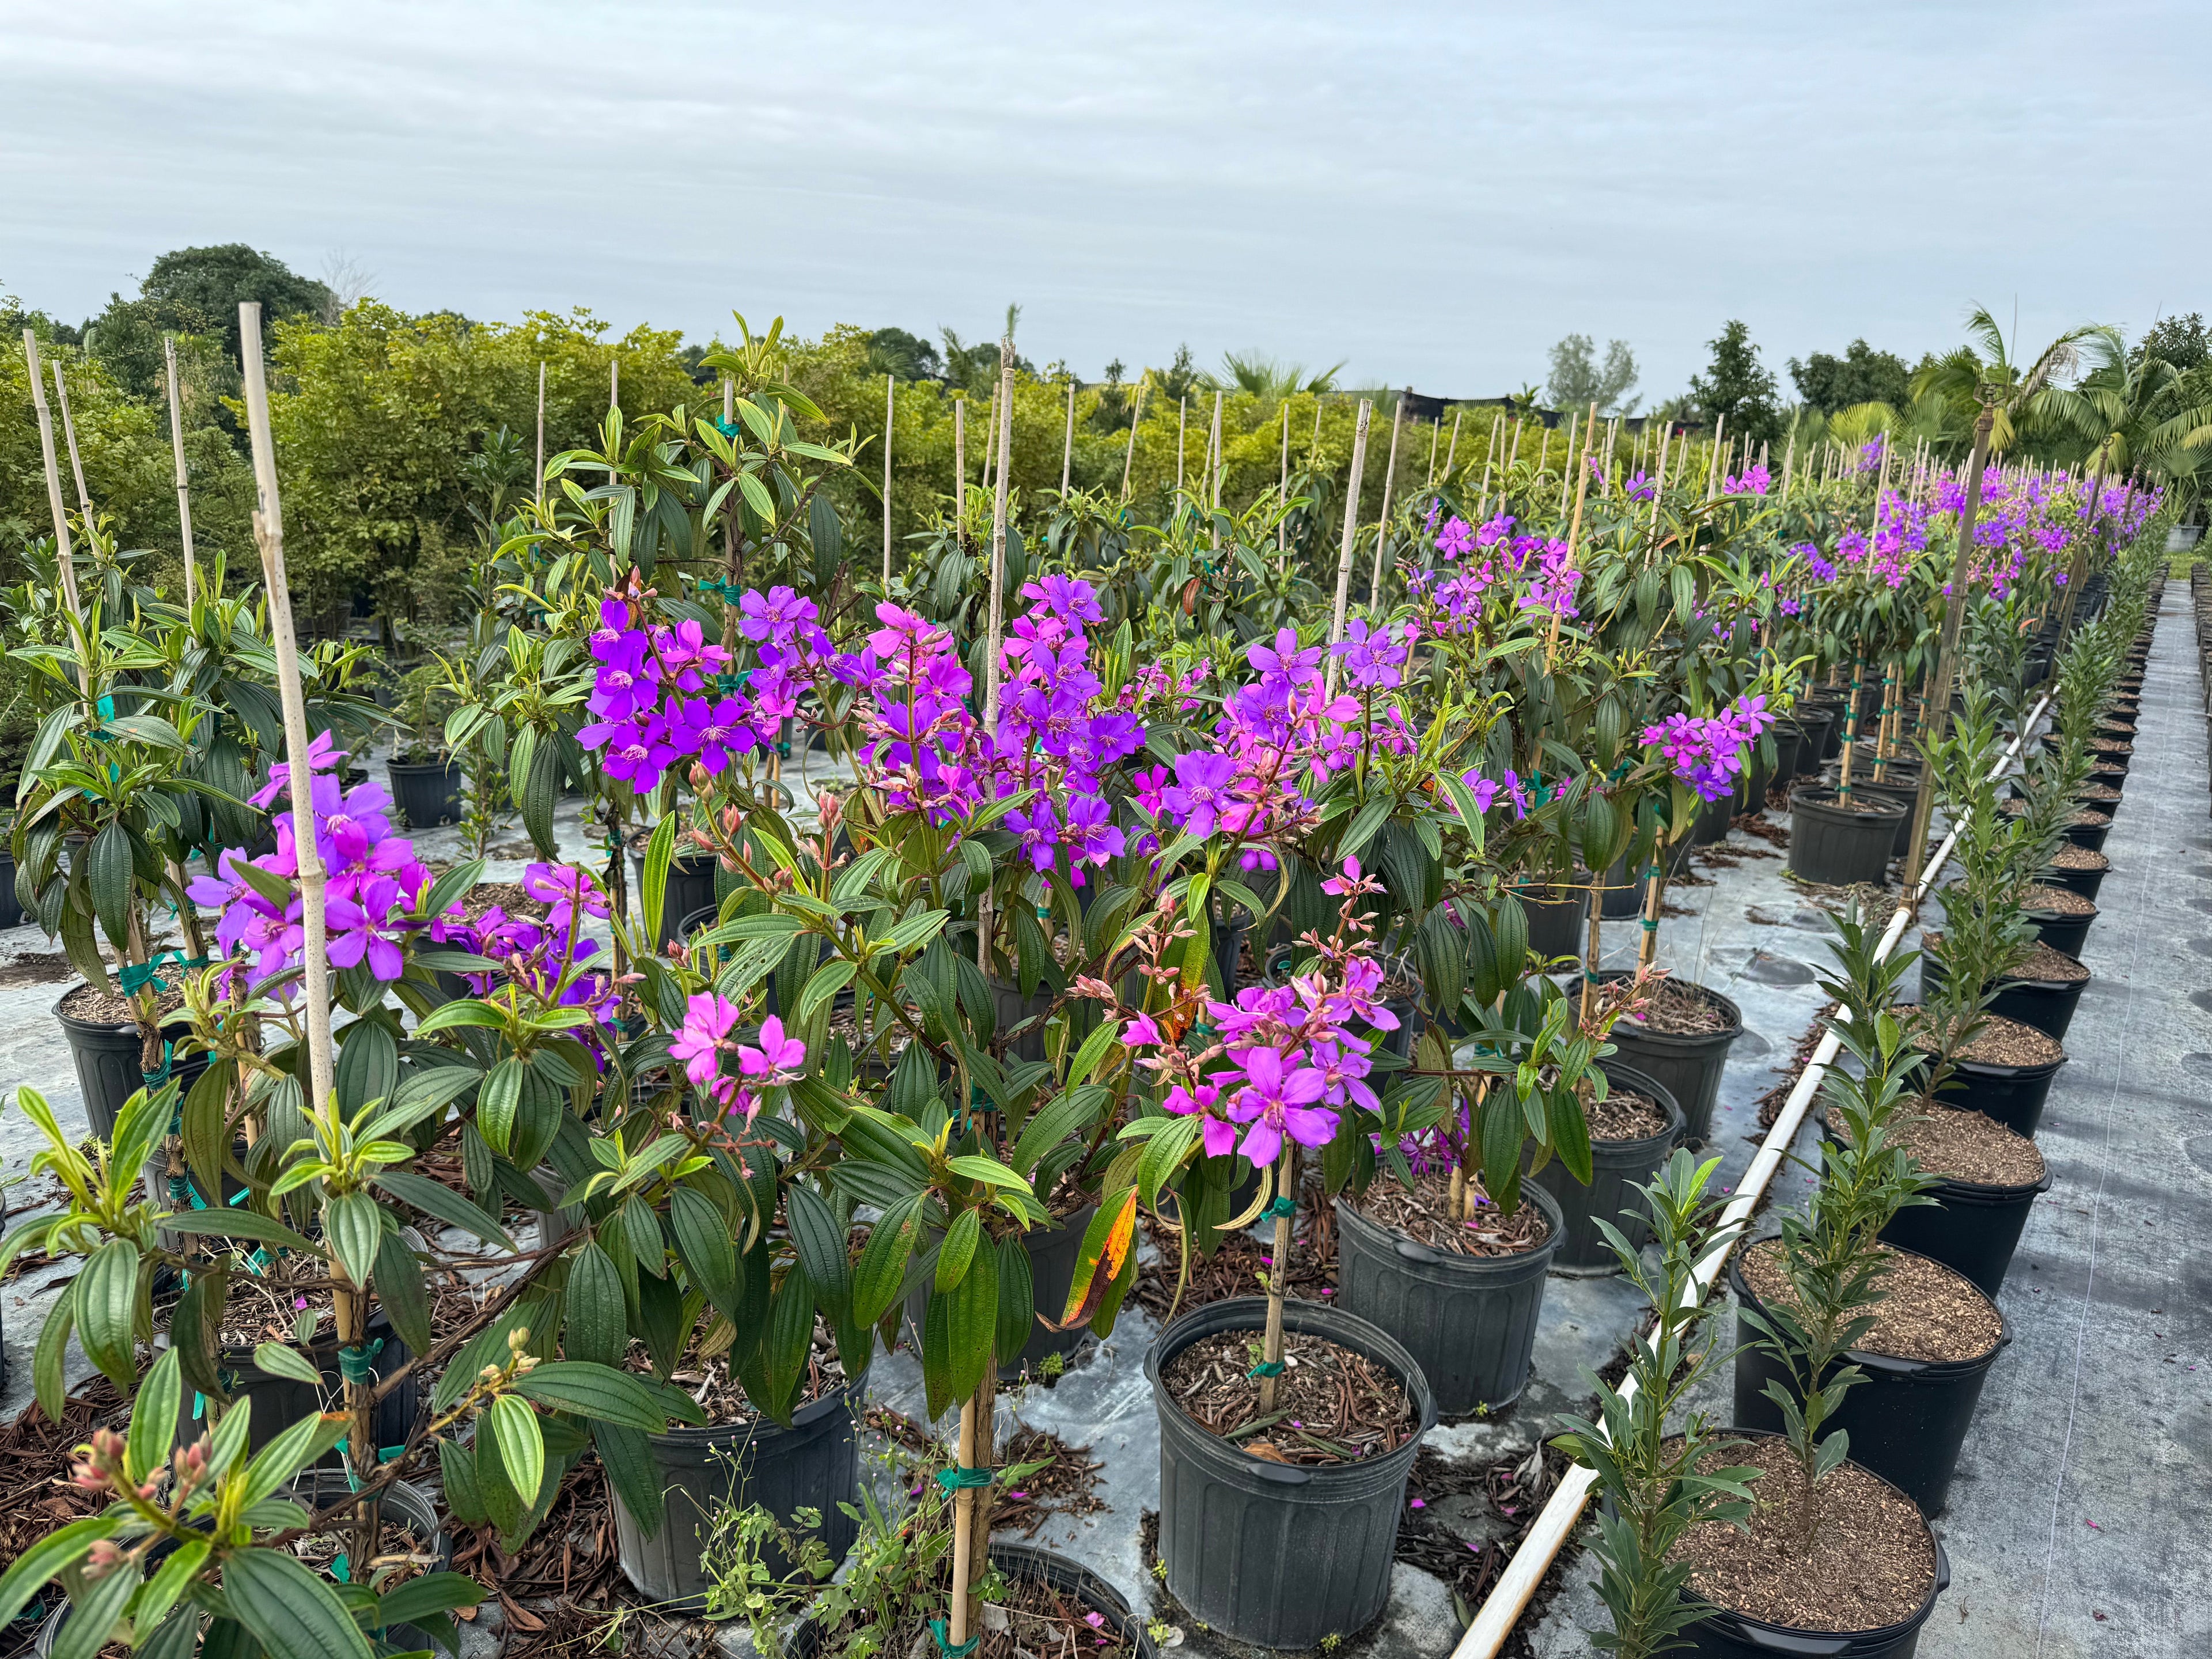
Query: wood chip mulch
{"x": 1928, "y": 1312}
{"x": 1235, "y": 1268}
{"x": 1425, "y": 1215}
{"x": 36, "y": 1496}
{"x": 1332, "y": 1405}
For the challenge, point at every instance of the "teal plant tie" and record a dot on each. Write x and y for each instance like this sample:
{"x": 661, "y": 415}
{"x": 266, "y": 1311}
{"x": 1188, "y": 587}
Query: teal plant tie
{"x": 1267, "y": 1368}
{"x": 727, "y": 428}
{"x": 1279, "y": 1208}
{"x": 947, "y": 1646}
{"x": 137, "y": 975}
{"x": 734, "y": 679}
{"x": 960, "y": 1479}
{"x": 359, "y": 1364}
{"x": 159, "y": 1075}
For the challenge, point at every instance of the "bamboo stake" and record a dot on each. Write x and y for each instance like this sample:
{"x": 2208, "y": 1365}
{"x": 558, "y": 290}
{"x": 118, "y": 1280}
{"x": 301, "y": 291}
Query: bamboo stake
{"x": 1436, "y": 436}
{"x": 1350, "y": 526}
{"x": 1574, "y": 536}
{"x": 65, "y": 556}
{"x": 1067, "y": 443}
{"x": 77, "y": 462}
{"x": 1713, "y": 455}
{"x": 1283, "y": 497}
{"x": 1213, "y": 468}
{"x": 184, "y": 487}
{"x": 1182, "y": 437}
{"x": 614, "y": 386}
{"x": 1128, "y": 455}
{"x": 1452, "y": 455}
{"x": 1279, "y": 1278}
{"x": 1659, "y": 478}
{"x": 1513, "y": 459}
{"x": 960, "y": 468}
{"x": 268, "y": 535}
{"x": 1567, "y": 464}
{"x": 890, "y": 408}
{"x": 539, "y": 491}
{"x": 1382, "y": 524}
{"x": 963, "y": 1521}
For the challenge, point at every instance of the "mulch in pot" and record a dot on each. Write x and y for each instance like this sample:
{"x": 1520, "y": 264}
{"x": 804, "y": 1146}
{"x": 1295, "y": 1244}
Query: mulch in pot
{"x": 1927, "y": 1313}
{"x": 714, "y": 1386}
{"x": 1239, "y": 1266}
{"x": 1675, "y": 1007}
{"x": 1968, "y": 1147}
{"x": 94, "y": 1007}
{"x": 1623, "y": 1114}
{"x": 1424, "y": 1214}
{"x": 2046, "y": 965}
{"x": 2061, "y": 901}
{"x": 1871, "y": 1563}
{"x": 401, "y": 1552}
{"x": 2000, "y": 1042}
{"x": 2070, "y": 857}
{"x": 1332, "y": 1404}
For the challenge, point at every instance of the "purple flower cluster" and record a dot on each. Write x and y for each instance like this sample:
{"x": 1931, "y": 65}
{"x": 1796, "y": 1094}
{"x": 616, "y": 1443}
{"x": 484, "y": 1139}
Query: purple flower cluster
{"x": 1707, "y": 752}
{"x": 374, "y": 879}
{"x": 547, "y": 956}
{"x": 1755, "y": 480}
{"x": 652, "y": 700}
{"x": 777, "y": 1060}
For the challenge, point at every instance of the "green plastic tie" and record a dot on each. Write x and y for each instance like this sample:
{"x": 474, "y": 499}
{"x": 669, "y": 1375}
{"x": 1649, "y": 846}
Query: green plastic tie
{"x": 160, "y": 1074}
{"x": 359, "y": 1364}
{"x": 947, "y": 1646}
{"x": 734, "y": 679}
{"x": 727, "y": 428}
{"x": 960, "y": 1478}
{"x": 1280, "y": 1209}
{"x": 1267, "y": 1368}
{"x": 136, "y": 976}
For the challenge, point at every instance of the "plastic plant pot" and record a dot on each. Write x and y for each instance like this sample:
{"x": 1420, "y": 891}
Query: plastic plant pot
{"x": 279, "y": 1401}
{"x": 1469, "y": 1322}
{"x": 107, "y": 1059}
{"x": 1053, "y": 1252}
{"x": 1712, "y": 821}
{"x": 1836, "y": 845}
{"x": 1616, "y": 1167}
{"x": 1971, "y": 1228}
{"x": 1028, "y": 1563}
{"x": 1557, "y": 919}
{"x": 1903, "y": 793}
{"x": 1907, "y": 1420}
{"x": 813, "y": 1464}
{"x": 2062, "y": 931}
{"x": 2084, "y": 882}
{"x": 2047, "y": 1004}
{"x": 1277, "y": 1554}
{"x": 1688, "y": 1066}
{"x": 11, "y": 907}
{"x": 690, "y": 890}
{"x": 426, "y": 793}
{"x": 1816, "y": 721}
{"x": 2011, "y": 1095}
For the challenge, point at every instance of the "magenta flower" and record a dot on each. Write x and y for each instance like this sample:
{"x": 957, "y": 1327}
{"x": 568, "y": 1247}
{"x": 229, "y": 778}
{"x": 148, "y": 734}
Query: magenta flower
{"x": 1275, "y": 1103}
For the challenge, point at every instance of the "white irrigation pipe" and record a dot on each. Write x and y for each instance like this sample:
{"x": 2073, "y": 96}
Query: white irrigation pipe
{"x": 1502, "y": 1609}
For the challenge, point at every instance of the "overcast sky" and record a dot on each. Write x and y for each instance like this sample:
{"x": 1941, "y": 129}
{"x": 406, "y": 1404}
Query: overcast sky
{"x": 1432, "y": 193}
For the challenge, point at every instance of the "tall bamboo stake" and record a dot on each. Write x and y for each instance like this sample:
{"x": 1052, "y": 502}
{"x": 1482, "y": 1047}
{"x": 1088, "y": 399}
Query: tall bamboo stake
{"x": 1067, "y": 443}
{"x": 1382, "y": 524}
{"x": 65, "y": 556}
{"x": 1182, "y": 437}
{"x": 1128, "y": 455}
{"x": 1659, "y": 477}
{"x": 539, "y": 489}
{"x": 960, "y": 468}
{"x": 890, "y": 408}
{"x": 1567, "y": 466}
{"x": 1451, "y": 454}
{"x": 614, "y": 385}
{"x": 1213, "y": 470}
{"x": 1436, "y": 437}
{"x": 1351, "y": 527}
{"x": 1713, "y": 457}
{"x": 76, "y": 461}
{"x": 1936, "y": 710}
{"x": 1520, "y": 422}
{"x": 184, "y": 486}
{"x": 351, "y": 1304}
{"x": 1283, "y": 497}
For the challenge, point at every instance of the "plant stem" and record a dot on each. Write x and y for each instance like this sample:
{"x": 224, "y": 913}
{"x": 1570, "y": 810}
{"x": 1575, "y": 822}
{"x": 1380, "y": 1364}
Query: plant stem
{"x": 1279, "y": 1277}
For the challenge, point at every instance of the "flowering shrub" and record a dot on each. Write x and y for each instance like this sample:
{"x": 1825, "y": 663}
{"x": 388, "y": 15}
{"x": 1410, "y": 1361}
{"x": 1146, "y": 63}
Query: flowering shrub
{"x": 1707, "y": 752}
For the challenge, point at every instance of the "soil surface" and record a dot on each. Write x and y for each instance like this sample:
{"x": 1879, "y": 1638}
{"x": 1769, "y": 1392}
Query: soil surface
{"x": 1872, "y": 1562}
{"x": 1675, "y": 1007}
{"x": 2061, "y": 901}
{"x": 1927, "y": 1312}
{"x": 2070, "y": 857}
{"x": 97, "y": 1007}
{"x": 1864, "y": 805}
{"x": 1332, "y": 1405}
{"x": 1425, "y": 1215}
{"x": 1968, "y": 1147}
{"x": 1034, "y": 1621}
{"x": 2050, "y": 965}
{"x": 2001, "y": 1042}
{"x": 1623, "y": 1114}
{"x": 703, "y": 1374}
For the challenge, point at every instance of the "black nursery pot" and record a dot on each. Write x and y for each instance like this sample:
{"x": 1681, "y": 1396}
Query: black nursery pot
{"x": 11, "y": 907}
{"x": 690, "y": 890}
{"x": 281, "y": 1401}
{"x": 1903, "y": 794}
{"x": 1974, "y": 1229}
{"x": 1616, "y": 1168}
{"x": 2084, "y": 882}
{"x": 1622, "y": 895}
{"x": 1712, "y": 821}
{"x": 1907, "y": 1420}
{"x": 2091, "y": 835}
{"x": 1721, "y": 1633}
{"x": 2062, "y": 931}
{"x": 813, "y": 1464}
{"x": 1469, "y": 1322}
{"x": 107, "y": 1066}
{"x": 2047, "y": 1004}
{"x": 1688, "y": 1068}
{"x": 1789, "y": 738}
{"x": 1279, "y": 1554}
{"x": 2012, "y": 1095}
{"x": 1831, "y": 736}
{"x": 1816, "y": 723}
{"x": 1053, "y": 1253}
{"x": 1557, "y": 925}
{"x": 429, "y": 792}
{"x": 1029, "y": 1564}
{"x": 1835, "y": 846}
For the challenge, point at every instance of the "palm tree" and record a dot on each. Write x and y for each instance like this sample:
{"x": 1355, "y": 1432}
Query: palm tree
{"x": 2006, "y": 400}
{"x": 2150, "y": 418}
{"x": 1265, "y": 378}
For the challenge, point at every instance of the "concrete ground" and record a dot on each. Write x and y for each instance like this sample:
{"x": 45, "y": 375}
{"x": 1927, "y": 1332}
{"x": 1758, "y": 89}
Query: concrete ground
{"x": 2079, "y": 1515}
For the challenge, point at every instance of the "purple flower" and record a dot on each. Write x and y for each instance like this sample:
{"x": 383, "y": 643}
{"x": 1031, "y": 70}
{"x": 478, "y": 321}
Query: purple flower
{"x": 1275, "y": 1103}
{"x": 1202, "y": 789}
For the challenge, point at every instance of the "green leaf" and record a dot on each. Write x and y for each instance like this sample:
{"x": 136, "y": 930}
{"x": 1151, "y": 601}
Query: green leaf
{"x": 353, "y": 1228}
{"x": 93, "y": 1610}
{"x": 1017, "y": 1296}
{"x": 288, "y": 1452}
{"x": 279, "y": 1359}
{"x": 521, "y": 1446}
{"x": 820, "y": 1243}
{"x": 367, "y": 1065}
{"x": 205, "y": 1119}
{"x": 604, "y": 1393}
{"x": 422, "y": 1091}
{"x": 106, "y": 1311}
{"x": 957, "y": 1253}
{"x": 641, "y": 1229}
{"x": 989, "y": 1170}
{"x": 631, "y": 1471}
{"x": 108, "y": 879}
{"x": 1108, "y": 1244}
{"x": 783, "y": 1350}
{"x": 46, "y": 1364}
{"x": 294, "y": 1614}
{"x": 659, "y": 854}
{"x": 825, "y": 982}
{"x": 1370, "y": 819}
{"x": 703, "y": 1239}
{"x": 457, "y": 1467}
{"x": 154, "y": 1419}
{"x": 881, "y": 1274}
{"x": 498, "y": 1103}
{"x": 433, "y": 1592}
{"x": 448, "y": 1016}
{"x": 597, "y": 1328}
{"x": 436, "y": 1199}
{"x": 403, "y": 1292}
{"x": 973, "y": 1328}
{"x": 238, "y": 1222}
{"x": 63, "y": 1547}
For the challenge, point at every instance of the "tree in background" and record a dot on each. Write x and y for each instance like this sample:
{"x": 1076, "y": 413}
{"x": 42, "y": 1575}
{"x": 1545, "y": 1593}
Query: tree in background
{"x": 909, "y": 356}
{"x": 1861, "y": 376}
{"x": 1266, "y": 378}
{"x": 1735, "y": 384}
{"x": 2183, "y": 341}
{"x": 1578, "y": 379}
{"x": 198, "y": 290}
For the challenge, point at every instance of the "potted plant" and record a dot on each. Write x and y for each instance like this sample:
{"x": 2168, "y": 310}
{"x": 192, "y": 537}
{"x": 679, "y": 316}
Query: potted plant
{"x": 426, "y": 775}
